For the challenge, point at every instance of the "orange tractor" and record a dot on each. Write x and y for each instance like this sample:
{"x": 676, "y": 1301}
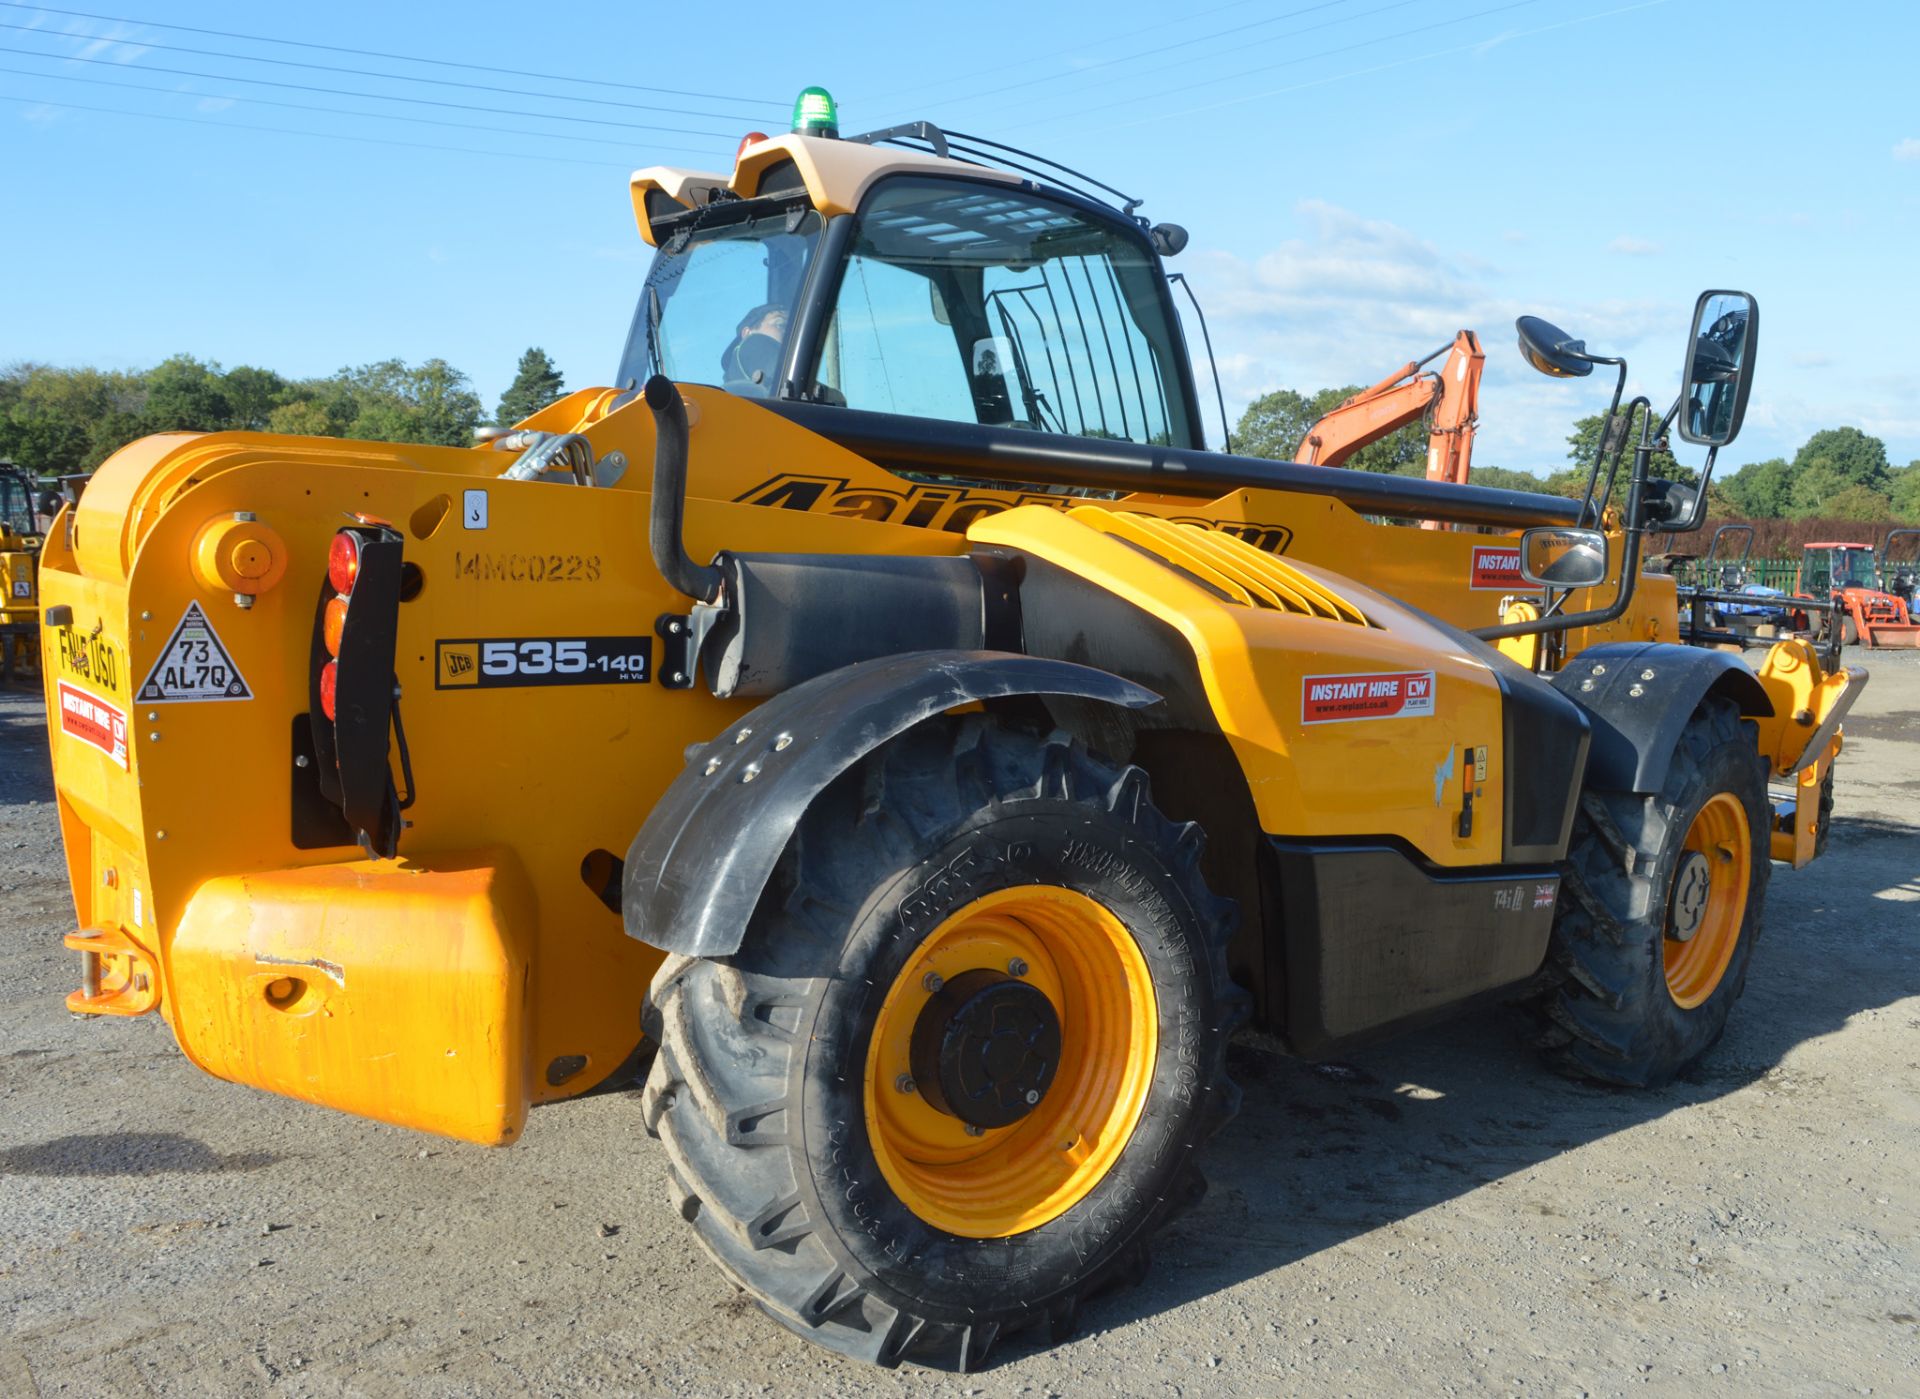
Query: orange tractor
{"x": 1862, "y": 610}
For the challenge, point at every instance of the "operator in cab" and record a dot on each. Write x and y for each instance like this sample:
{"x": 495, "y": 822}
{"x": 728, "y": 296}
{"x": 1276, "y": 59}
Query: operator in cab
{"x": 748, "y": 365}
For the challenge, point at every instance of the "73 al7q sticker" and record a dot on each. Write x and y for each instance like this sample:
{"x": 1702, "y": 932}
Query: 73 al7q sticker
{"x": 492, "y": 663}
{"x": 1332, "y": 699}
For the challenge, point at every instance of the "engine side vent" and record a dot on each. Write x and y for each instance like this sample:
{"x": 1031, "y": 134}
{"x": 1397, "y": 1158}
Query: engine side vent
{"x": 1246, "y": 576}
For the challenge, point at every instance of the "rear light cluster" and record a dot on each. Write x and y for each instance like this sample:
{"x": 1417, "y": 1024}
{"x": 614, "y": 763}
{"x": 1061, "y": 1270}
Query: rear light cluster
{"x": 343, "y": 570}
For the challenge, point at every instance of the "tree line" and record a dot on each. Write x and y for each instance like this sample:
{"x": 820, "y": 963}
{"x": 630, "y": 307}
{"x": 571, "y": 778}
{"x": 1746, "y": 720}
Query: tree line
{"x": 64, "y": 421}
{"x": 1839, "y": 473}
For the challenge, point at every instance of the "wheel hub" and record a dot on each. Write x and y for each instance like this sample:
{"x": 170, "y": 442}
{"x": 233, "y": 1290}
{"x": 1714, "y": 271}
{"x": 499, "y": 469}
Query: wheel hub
{"x": 1692, "y": 884}
{"x": 985, "y": 1048}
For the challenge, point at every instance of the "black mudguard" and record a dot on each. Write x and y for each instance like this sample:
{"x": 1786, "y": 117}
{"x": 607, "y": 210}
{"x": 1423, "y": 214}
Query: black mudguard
{"x": 1639, "y": 696}
{"x": 695, "y": 871}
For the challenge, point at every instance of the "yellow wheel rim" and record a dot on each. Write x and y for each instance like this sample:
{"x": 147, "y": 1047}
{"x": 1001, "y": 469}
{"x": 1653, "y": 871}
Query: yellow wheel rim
{"x": 1011, "y": 1179}
{"x": 1720, "y": 834}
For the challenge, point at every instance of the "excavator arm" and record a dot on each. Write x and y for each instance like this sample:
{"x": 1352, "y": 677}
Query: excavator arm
{"x": 1448, "y": 399}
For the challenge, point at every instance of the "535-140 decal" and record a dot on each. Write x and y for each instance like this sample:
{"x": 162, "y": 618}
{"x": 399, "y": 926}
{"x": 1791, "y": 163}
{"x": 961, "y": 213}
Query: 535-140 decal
{"x": 491, "y": 663}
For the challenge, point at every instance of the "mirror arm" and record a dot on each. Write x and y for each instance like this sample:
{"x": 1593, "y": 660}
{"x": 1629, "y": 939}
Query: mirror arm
{"x": 1644, "y": 408}
{"x": 1629, "y": 563}
{"x": 1600, "y": 446}
{"x": 1699, "y": 515}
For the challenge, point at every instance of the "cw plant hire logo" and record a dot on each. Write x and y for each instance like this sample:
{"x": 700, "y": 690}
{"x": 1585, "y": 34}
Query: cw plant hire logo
{"x": 953, "y": 508}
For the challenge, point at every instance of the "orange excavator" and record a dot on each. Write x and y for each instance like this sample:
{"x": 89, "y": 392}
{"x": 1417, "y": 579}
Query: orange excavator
{"x": 1449, "y": 401}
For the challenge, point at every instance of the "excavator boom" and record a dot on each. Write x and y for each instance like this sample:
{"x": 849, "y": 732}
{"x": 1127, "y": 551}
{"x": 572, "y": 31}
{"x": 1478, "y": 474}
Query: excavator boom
{"x": 1448, "y": 399}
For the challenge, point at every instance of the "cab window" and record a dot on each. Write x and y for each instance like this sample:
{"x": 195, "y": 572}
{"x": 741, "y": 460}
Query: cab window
{"x": 983, "y": 303}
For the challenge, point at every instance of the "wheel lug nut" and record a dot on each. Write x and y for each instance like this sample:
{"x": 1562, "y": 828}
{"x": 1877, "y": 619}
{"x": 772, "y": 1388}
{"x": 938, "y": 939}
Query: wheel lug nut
{"x": 1033, "y": 1096}
{"x": 932, "y": 981}
{"x": 974, "y": 1131}
{"x": 903, "y": 1084}
{"x": 1017, "y": 967}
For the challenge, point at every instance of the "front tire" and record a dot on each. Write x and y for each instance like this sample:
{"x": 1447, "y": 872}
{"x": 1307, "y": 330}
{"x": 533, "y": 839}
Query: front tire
{"x": 958, "y": 1072}
{"x": 1659, "y": 911}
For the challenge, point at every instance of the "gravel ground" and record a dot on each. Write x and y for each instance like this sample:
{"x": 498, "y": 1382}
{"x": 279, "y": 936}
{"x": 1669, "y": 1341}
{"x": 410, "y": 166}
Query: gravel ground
{"x": 1434, "y": 1215}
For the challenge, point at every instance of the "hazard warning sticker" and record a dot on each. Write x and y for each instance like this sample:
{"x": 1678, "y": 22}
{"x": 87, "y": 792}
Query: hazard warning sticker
{"x": 193, "y": 666}
{"x": 93, "y": 721}
{"x": 1497, "y": 566}
{"x": 1332, "y": 699}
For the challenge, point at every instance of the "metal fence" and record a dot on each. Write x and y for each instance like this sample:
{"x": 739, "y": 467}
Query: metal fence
{"x": 1770, "y": 573}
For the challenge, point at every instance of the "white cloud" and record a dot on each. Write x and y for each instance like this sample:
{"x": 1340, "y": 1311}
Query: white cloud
{"x": 1812, "y": 360}
{"x": 1908, "y": 149}
{"x": 1633, "y": 247}
{"x": 213, "y": 104}
{"x": 1353, "y": 297}
{"x": 40, "y": 116}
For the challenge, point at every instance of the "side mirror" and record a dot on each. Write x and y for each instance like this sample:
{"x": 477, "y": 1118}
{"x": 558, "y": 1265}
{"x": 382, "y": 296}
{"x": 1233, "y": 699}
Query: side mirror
{"x": 1726, "y": 327}
{"x": 1551, "y": 350}
{"x": 1564, "y": 558}
{"x": 1167, "y": 238}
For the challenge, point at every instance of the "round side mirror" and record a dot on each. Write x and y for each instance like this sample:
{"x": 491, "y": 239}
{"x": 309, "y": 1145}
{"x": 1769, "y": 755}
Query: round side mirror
{"x": 1167, "y": 238}
{"x": 1551, "y": 350}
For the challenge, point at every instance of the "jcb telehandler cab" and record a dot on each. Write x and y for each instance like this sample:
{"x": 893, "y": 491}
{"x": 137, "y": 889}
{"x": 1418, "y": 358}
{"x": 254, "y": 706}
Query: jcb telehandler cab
{"x": 880, "y": 709}
{"x": 19, "y": 572}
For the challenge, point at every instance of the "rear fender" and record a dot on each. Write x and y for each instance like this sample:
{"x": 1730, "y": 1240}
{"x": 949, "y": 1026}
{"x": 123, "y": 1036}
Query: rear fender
{"x": 1639, "y": 696}
{"x": 695, "y": 871}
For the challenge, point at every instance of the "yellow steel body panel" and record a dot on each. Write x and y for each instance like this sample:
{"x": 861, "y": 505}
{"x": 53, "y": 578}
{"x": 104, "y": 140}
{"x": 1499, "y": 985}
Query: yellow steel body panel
{"x": 1397, "y": 776}
{"x": 1803, "y": 697}
{"x": 201, "y": 791}
{"x": 395, "y": 989}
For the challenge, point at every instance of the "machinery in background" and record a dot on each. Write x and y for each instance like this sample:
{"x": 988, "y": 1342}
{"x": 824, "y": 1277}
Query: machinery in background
{"x": 20, "y": 539}
{"x": 1447, "y": 400}
{"x": 1849, "y": 576}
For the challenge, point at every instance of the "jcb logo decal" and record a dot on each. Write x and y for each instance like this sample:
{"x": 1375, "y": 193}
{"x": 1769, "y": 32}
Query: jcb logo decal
{"x": 459, "y": 663}
{"x": 952, "y": 508}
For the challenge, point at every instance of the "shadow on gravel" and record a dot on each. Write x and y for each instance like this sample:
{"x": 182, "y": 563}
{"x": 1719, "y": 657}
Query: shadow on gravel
{"x": 26, "y": 769}
{"x": 1325, "y": 1153}
{"x": 126, "y": 1154}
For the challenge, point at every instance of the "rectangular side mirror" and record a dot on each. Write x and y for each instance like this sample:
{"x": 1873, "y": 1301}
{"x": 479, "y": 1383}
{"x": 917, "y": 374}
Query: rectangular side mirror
{"x": 1564, "y": 558}
{"x": 1713, "y": 400}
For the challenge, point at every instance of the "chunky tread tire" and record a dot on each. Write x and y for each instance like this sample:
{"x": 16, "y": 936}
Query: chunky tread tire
{"x": 1603, "y": 1006}
{"x": 736, "y": 1091}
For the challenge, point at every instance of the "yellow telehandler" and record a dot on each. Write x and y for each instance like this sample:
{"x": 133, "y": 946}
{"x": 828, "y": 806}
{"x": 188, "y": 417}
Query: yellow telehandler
{"x": 19, "y": 572}
{"x": 952, "y": 752}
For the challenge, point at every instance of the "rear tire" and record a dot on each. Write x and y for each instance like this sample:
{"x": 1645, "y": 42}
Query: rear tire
{"x": 790, "y": 1131}
{"x": 1626, "y": 1000}
{"x": 1849, "y": 632}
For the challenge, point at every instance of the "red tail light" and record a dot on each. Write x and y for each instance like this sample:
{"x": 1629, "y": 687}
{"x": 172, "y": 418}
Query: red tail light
{"x": 343, "y": 562}
{"x": 334, "y": 624}
{"x": 329, "y": 683}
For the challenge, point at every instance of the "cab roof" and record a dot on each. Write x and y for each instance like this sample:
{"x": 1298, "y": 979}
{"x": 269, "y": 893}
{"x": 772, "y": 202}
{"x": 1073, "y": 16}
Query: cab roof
{"x": 836, "y": 174}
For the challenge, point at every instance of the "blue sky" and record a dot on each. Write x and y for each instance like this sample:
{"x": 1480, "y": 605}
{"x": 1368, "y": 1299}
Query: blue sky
{"x": 1361, "y": 177}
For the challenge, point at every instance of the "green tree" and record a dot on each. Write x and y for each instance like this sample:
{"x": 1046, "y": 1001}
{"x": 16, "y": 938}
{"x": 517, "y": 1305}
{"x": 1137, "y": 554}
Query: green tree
{"x": 1906, "y": 494}
{"x": 536, "y": 384}
{"x": 1275, "y": 424}
{"x": 304, "y": 417}
{"x": 1506, "y": 479}
{"x": 1760, "y": 490}
{"x": 1847, "y": 455}
{"x": 1815, "y": 487}
{"x": 252, "y": 395}
{"x": 1856, "y": 503}
{"x": 66, "y": 421}
{"x": 185, "y": 395}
